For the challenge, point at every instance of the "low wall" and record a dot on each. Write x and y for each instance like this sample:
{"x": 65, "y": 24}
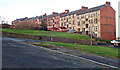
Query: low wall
{"x": 48, "y": 38}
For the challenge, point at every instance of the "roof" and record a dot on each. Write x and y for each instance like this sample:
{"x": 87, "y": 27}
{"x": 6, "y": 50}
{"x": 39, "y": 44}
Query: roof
{"x": 92, "y": 9}
{"x": 71, "y": 13}
{"x": 20, "y": 19}
{"x": 32, "y": 18}
{"x": 84, "y": 11}
{"x": 56, "y": 14}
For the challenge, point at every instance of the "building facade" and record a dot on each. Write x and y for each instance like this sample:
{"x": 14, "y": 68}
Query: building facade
{"x": 97, "y": 21}
{"x": 53, "y": 22}
{"x": 29, "y": 23}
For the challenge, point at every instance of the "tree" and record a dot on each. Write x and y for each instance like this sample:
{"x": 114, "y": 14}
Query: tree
{"x": 5, "y": 26}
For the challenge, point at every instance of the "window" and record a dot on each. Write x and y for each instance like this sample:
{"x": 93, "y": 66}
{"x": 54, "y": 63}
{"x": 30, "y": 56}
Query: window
{"x": 53, "y": 25}
{"x": 73, "y": 28}
{"x": 53, "y": 20}
{"x": 61, "y": 24}
{"x": 82, "y": 16}
{"x": 96, "y": 28}
{"x": 83, "y": 29}
{"x": 91, "y": 20}
{"x": 78, "y": 23}
{"x": 83, "y": 22}
{"x": 49, "y": 24}
{"x": 78, "y": 17}
{"x": 67, "y": 19}
{"x": 96, "y": 13}
{"x": 91, "y": 15}
{"x": 86, "y": 25}
{"x": 73, "y": 22}
{"x": 95, "y": 20}
{"x": 61, "y": 19}
{"x": 90, "y": 28}
{"x": 64, "y": 18}
{"x": 67, "y": 26}
{"x": 73, "y": 16}
{"x": 86, "y": 19}
{"x": 64, "y": 24}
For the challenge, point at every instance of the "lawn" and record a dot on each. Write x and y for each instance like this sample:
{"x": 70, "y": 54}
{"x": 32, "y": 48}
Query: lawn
{"x": 104, "y": 51}
{"x": 48, "y": 33}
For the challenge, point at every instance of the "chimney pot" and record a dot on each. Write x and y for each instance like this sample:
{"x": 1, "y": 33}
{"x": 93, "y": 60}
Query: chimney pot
{"x": 83, "y": 7}
{"x": 55, "y": 13}
{"x": 44, "y": 14}
{"x": 107, "y": 3}
{"x": 26, "y": 17}
{"x": 66, "y": 11}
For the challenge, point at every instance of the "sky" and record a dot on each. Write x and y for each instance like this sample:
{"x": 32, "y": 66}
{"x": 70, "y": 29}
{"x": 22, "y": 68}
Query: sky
{"x": 14, "y": 9}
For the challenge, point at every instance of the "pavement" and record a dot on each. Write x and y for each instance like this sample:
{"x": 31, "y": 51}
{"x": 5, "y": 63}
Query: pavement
{"x": 17, "y": 54}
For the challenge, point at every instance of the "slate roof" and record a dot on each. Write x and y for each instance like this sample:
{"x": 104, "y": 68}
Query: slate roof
{"x": 85, "y": 11}
{"x": 32, "y": 18}
{"x": 70, "y": 13}
{"x": 56, "y": 15}
{"x": 20, "y": 19}
{"x": 92, "y": 9}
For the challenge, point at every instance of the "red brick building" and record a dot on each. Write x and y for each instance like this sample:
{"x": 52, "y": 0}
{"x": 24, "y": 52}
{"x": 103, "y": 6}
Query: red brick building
{"x": 107, "y": 22}
{"x": 53, "y": 22}
{"x": 98, "y": 21}
{"x": 29, "y": 23}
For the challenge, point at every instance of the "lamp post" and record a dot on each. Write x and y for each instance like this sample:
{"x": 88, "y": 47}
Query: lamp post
{"x": 91, "y": 35}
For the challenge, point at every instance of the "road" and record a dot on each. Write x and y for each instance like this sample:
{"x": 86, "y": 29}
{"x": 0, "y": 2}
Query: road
{"x": 16, "y": 54}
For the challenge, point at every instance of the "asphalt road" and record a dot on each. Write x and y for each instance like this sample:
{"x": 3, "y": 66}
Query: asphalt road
{"x": 16, "y": 54}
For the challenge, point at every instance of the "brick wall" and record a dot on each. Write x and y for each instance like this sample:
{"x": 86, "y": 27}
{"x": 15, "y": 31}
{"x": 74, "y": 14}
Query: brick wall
{"x": 107, "y": 23}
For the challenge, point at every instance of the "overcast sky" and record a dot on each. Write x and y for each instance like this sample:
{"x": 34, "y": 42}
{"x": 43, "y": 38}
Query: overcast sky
{"x": 13, "y": 9}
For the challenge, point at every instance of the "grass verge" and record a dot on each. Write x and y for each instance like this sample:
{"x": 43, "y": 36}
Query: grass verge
{"x": 104, "y": 51}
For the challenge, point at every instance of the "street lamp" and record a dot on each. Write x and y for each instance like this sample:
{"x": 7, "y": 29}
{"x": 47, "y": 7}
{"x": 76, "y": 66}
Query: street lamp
{"x": 91, "y": 34}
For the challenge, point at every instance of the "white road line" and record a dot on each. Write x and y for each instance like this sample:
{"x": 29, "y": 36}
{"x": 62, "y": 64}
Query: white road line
{"x": 110, "y": 66}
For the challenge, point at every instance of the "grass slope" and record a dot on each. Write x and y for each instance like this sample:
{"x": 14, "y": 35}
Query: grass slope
{"x": 104, "y": 51}
{"x": 48, "y": 33}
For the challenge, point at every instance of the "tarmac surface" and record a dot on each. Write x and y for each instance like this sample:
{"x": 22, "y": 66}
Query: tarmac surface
{"x": 16, "y": 54}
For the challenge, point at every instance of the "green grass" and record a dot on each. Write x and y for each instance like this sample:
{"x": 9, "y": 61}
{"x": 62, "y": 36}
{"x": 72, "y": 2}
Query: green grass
{"x": 104, "y": 51}
{"x": 48, "y": 33}
{"x": 107, "y": 41}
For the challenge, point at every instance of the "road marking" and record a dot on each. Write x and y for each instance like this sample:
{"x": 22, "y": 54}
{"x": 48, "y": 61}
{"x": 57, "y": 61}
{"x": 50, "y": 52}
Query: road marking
{"x": 110, "y": 66}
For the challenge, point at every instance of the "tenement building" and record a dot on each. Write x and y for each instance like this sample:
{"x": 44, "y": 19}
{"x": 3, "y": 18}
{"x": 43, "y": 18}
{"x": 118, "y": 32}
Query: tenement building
{"x": 29, "y": 23}
{"x": 98, "y": 21}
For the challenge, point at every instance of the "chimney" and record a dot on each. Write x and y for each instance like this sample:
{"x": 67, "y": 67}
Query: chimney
{"x": 55, "y": 13}
{"x": 66, "y": 11}
{"x": 83, "y": 7}
{"x": 26, "y": 18}
{"x": 108, "y": 3}
{"x": 44, "y": 14}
